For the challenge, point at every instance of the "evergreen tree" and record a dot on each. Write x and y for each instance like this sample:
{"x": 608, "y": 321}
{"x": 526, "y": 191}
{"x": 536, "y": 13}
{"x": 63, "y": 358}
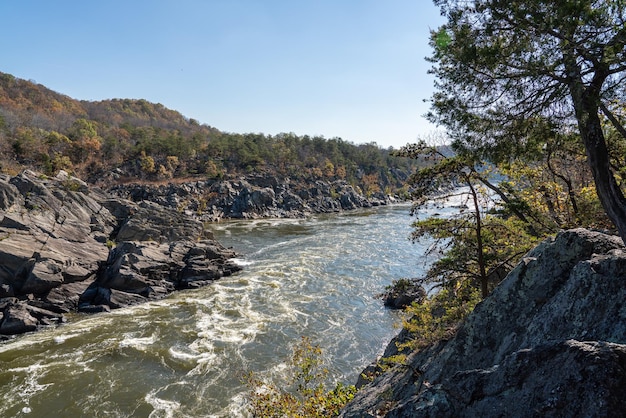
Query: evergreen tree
{"x": 508, "y": 68}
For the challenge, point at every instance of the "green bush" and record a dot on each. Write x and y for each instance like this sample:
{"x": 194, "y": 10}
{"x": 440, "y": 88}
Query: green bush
{"x": 438, "y": 316}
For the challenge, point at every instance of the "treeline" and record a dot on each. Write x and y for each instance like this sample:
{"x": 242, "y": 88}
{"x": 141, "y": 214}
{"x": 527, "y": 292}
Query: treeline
{"x": 48, "y": 131}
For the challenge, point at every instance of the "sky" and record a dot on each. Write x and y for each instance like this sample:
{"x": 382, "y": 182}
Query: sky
{"x": 353, "y": 69}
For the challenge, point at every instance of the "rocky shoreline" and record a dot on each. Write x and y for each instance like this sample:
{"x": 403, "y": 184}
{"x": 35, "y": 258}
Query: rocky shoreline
{"x": 67, "y": 246}
{"x": 252, "y": 196}
{"x": 550, "y": 341}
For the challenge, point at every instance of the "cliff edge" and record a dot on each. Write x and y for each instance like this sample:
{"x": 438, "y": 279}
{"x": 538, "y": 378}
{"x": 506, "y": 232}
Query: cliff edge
{"x": 550, "y": 341}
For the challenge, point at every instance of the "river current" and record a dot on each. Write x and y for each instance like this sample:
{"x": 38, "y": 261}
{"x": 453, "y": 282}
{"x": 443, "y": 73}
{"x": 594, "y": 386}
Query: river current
{"x": 184, "y": 356}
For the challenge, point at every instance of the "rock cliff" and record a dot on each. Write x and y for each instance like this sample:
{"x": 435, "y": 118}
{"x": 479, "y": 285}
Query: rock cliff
{"x": 550, "y": 341}
{"x": 251, "y": 196}
{"x": 66, "y": 246}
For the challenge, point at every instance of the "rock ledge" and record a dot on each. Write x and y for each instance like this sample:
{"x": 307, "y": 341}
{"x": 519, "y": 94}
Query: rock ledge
{"x": 550, "y": 341}
{"x": 66, "y": 246}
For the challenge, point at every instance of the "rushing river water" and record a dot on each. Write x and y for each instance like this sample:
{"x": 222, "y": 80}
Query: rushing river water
{"x": 183, "y": 356}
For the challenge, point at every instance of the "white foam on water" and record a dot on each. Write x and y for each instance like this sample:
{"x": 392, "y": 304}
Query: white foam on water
{"x": 138, "y": 343}
{"x": 60, "y": 339}
{"x": 271, "y": 247}
{"x": 162, "y": 408}
{"x": 204, "y": 364}
{"x": 183, "y": 354}
{"x": 19, "y": 344}
{"x": 242, "y": 262}
{"x": 238, "y": 407}
{"x": 218, "y": 327}
{"x": 23, "y": 388}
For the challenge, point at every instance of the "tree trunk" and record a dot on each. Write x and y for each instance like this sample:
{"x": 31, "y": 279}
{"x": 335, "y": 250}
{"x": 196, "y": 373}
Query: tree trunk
{"x": 480, "y": 256}
{"x": 608, "y": 191}
{"x": 586, "y": 101}
{"x": 586, "y": 105}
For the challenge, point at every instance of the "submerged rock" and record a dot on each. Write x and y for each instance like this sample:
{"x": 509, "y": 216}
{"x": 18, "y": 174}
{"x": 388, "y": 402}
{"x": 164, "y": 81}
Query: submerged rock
{"x": 55, "y": 255}
{"x": 550, "y": 341}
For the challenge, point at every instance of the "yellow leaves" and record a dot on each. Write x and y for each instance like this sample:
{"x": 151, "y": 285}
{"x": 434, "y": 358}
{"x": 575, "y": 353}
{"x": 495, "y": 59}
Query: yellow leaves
{"x": 172, "y": 162}
{"x": 592, "y": 213}
{"x": 311, "y": 399}
{"x": 371, "y": 184}
{"x": 554, "y": 189}
{"x": 212, "y": 170}
{"x": 341, "y": 172}
{"x": 55, "y": 106}
{"x": 147, "y": 163}
{"x": 438, "y": 316}
{"x": 329, "y": 168}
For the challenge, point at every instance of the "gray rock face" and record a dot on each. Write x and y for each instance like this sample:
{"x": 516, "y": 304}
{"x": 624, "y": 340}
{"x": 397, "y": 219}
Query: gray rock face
{"x": 253, "y": 196}
{"x": 549, "y": 342}
{"x": 55, "y": 235}
{"x": 136, "y": 272}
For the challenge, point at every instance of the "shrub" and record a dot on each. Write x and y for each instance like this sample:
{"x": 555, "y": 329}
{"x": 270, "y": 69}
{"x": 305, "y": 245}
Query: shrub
{"x": 438, "y": 316}
{"x": 309, "y": 398}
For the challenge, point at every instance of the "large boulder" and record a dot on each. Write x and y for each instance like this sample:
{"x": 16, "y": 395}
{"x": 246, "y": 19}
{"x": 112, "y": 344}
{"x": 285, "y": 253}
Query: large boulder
{"x": 141, "y": 271}
{"x": 16, "y": 320}
{"x": 550, "y": 341}
{"x": 402, "y": 293}
{"x": 152, "y": 222}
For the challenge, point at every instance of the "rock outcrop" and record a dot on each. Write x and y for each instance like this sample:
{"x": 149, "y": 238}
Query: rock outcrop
{"x": 402, "y": 293}
{"x": 550, "y": 341}
{"x": 65, "y": 246}
{"x": 252, "y": 196}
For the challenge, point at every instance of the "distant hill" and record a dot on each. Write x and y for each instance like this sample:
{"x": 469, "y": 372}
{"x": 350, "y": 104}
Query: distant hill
{"x": 143, "y": 141}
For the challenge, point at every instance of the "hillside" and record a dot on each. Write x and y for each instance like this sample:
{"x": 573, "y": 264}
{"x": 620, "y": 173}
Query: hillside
{"x": 142, "y": 141}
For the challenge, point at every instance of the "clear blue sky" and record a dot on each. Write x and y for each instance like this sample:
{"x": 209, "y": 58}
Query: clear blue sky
{"x": 348, "y": 68}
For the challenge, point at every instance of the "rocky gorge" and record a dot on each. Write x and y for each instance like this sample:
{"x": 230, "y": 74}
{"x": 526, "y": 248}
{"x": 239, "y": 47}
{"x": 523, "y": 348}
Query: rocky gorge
{"x": 550, "y": 341}
{"x": 67, "y": 246}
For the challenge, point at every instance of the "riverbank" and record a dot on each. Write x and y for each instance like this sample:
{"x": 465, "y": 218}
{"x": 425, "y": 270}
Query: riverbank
{"x": 66, "y": 247}
{"x": 550, "y": 341}
{"x": 252, "y": 196}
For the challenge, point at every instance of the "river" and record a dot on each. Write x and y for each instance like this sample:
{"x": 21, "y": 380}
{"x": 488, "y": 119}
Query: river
{"x": 183, "y": 356}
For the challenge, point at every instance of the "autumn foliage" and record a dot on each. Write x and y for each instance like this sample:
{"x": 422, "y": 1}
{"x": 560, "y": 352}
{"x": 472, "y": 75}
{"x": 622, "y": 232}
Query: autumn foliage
{"x": 48, "y": 131}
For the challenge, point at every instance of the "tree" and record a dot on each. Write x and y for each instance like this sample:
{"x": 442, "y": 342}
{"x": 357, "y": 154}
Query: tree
{"x": 505, "y": 67}
{"x": 478, "y": 243}
{"x": 85, "y": 140}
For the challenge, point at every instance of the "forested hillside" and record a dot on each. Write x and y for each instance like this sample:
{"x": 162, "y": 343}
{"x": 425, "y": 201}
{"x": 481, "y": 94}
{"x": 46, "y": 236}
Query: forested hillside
{"x": 139, "y": 140}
